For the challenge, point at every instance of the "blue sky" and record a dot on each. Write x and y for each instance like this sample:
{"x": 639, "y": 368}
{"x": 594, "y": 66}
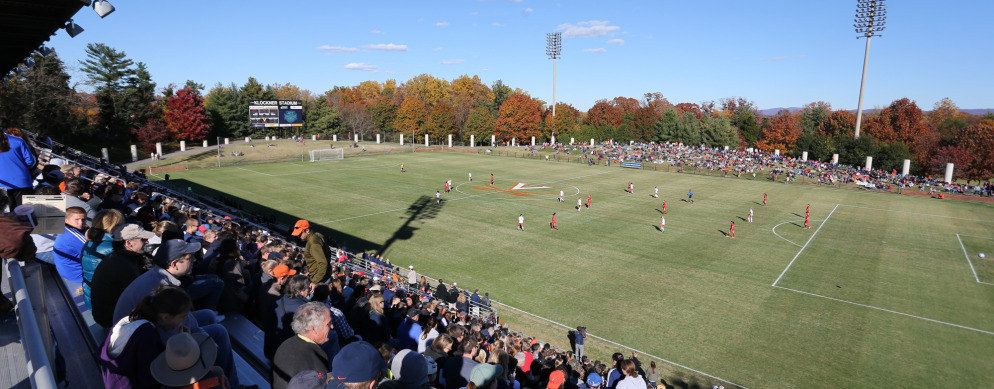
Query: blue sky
{"x": 775, "y": 53}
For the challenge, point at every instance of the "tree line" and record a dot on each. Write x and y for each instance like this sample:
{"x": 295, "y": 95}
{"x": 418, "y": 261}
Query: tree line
{"x": 126, "y": 107}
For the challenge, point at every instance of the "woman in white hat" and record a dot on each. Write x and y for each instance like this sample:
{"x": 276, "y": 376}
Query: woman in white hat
{"x": 134, "y": 341}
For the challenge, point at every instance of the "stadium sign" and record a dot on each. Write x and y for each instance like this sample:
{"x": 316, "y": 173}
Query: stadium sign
{"x": 276, "y": 113}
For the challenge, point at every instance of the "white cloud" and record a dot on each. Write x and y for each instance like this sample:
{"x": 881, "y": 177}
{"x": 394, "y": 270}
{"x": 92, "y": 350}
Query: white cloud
{"x": 451, "y": 61}
{"x": 802, "y": 56}
{"x": 495, "y": 24}
{"x": 484, "y": 69}
{"x": 590, "y": 29}
{"x": 780, "y": 58}
{"x": 597, "y": 50}
{"x": 438, "y": 49}
{"x": 376, "y": 32}
{"x": 442, "y": 24}
{"x": 616, "y": 42}
{"x": 338, "y": 49}
{"x": 528, "y": 10}
{"x": 386, "y": 47}
{"x": 474, "y": 13}
{"x": 360, "y": 66}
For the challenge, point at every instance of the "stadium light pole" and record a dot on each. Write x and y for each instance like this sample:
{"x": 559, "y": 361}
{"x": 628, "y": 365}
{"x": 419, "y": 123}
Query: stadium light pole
{"x": 554, "y": 48}
{"x": 869, "y": 21}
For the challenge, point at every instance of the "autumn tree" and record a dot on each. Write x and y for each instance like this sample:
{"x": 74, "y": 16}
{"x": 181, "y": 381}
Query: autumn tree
{"x": 441, "y": 121}
{"x": 902, "y": 121}
{"x": 959, "y": 155}
{"x": 627, "y": 105}
{"x": 780, "y": 133}
{"x": 519, "y": 117}
{"x": 979, "y": 140}
{"x": 481, "y": 123}
{"x": 465, "y": 94}
{"x": 411, "y": 117}
{"x": 642, "y": 124}
{"x": 689, "y": 107}
{"x": 657, "y": 102}
{"x": 154, "y": 131}
{"x": 502, "y": 92}
{"x": 840, "y": 122}
{"x": 288, "y": 91}
{"x": 426, "y": 88}
{"x": 185, "y": 117}
{"x": 603, "y": 114}
{"x": 567, "y": 119}
{"x": 382, "y": 113}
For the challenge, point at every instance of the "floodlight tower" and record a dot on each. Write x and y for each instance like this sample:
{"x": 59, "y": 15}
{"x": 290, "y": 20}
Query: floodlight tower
{"x": 554, "y": 48}
{"x": 869, "y": 21}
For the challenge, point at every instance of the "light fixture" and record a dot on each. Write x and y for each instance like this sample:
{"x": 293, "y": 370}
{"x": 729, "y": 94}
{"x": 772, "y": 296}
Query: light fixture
{"x": 102, "y": 8}
{"x": 45, "y": 51}
{"x": 73, "y": 29}
{"x": 28, "y": 63}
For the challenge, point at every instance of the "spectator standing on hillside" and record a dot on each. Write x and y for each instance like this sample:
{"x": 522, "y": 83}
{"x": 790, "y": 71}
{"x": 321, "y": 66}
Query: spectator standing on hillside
{"x": 316, "y": 252}
{"x": 16, "y": 163}
{"x": 581, "y": 334}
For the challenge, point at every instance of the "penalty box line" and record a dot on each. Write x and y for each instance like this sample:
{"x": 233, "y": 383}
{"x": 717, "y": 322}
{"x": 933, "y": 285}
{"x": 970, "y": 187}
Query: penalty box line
{"x": 620, "y": 345}
{"x": 805, "y": 245}
{"x": 968, "y": 260}
{"x": 889, "y": 311}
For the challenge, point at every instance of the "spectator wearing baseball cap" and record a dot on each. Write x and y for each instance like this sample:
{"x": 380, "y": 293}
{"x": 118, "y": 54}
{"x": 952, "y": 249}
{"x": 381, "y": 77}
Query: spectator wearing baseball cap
{"x": 485, "y": 376}
{"x": 358, "y": 363}
{"x": 115, "y": 273}
{"x": 409, "y": 330}
{"x": 594, "y": 381}
{"x": 173, "y": 259}
{"x": 316, "y": 252}
{"x": 556, "y": 379}
{"x": 303, "y": 352}
{"x": 410, "y": 371}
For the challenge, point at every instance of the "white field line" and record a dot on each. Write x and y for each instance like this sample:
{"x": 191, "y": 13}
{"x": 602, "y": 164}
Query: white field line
{"x": 338, "y": 169}
{"x": 456, "y": 199}
{"x": 968, "y": 260}
{"x": 253, "y": 171}
{"x": 915, "y": 213}
{"x": 621, "y": 345}
{"x": 805, "y": 245}
{"x": 774, "y": 229}
{"x": 891, "y": 311}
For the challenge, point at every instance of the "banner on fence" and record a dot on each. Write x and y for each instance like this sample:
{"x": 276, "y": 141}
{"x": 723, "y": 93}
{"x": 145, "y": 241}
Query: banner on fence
{"x": 634, "y": 165}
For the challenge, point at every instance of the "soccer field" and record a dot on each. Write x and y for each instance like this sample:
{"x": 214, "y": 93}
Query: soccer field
{"x": 883, "y": 289}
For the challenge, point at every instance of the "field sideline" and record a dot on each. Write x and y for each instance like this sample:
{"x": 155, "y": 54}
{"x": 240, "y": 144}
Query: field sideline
{"x": 883, "y": 289}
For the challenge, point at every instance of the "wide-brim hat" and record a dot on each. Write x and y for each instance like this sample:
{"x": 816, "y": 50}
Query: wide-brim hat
{"x": 187, "y": 359}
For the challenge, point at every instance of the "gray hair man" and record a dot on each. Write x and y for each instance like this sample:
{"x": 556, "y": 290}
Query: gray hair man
{"x": 303, "y": 352}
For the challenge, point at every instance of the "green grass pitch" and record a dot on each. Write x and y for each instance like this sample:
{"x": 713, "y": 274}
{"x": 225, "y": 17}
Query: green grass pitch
{"x": 882, "y": 289}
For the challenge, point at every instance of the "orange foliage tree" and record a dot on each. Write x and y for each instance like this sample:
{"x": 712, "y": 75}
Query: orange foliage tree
{"x": 978, "y": 139}
{"x": 839, "y": 123}
{"x": 441, "y": 122}
{"x": 567, "y": 119}
{"x": 603, "y": 114}
{"x": 519, "y": 117}
{"x": 411, "y": 117}
{"x": 780, "y": 133}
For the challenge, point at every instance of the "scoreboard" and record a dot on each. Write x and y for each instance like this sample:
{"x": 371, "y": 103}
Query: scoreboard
{"x": 276, "y": 113}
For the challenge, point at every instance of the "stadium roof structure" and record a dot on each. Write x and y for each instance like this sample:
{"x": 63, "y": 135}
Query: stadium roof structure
{"x": 26, "y": 24}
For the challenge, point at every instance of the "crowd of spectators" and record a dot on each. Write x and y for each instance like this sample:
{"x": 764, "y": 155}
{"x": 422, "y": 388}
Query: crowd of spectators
{"x": 160, "y": 276}
{"x": 753, "y": 164}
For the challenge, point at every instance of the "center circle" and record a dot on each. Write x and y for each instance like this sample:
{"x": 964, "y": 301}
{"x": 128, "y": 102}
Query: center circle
{"x": 515, "y": 190}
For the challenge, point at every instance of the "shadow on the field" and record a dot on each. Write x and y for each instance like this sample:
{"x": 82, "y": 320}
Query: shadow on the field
{"x": 742, "y": 218}
{"x": 422, "y": 209}
{"x": 681, "y": 384}
{"x": 276, "y": 220}
{"x": 723, "y": 232}
{"x": 757, "y": 203}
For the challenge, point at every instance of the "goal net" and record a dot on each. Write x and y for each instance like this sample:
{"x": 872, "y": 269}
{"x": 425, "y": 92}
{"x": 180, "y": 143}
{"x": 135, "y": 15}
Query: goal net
{"x": 326, "y": 154}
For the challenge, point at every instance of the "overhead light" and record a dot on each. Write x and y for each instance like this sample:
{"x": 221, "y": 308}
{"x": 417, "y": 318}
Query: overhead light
{"x": 29, "y": 62}
{"x": 45, "y": 51}
{"x": 102, "y": 8}
{"x": 73, "y": 29}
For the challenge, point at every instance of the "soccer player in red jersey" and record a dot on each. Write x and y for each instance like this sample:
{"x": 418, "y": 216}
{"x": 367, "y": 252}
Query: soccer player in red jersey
{"x": 764, "y": 199}
{"x": 664, "y": 207}
{"x": 731, "y": 230}
{"x": 491, "y": 178}
{"x": 553, "y": 225}
{"x": 807, "y": 221}
{"x": 589, "y": 198}
{"x": 807, "y": 210}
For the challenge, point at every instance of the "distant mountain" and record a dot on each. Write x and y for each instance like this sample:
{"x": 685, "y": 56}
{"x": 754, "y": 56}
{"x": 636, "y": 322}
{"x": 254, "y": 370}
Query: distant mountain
{"x": 774, "y": 111}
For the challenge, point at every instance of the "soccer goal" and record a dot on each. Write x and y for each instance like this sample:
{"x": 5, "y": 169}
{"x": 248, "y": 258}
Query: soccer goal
{"x": 326, "y": 154}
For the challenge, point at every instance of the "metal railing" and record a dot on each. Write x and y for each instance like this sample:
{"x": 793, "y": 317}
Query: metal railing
{"x": 32, "y": 325}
